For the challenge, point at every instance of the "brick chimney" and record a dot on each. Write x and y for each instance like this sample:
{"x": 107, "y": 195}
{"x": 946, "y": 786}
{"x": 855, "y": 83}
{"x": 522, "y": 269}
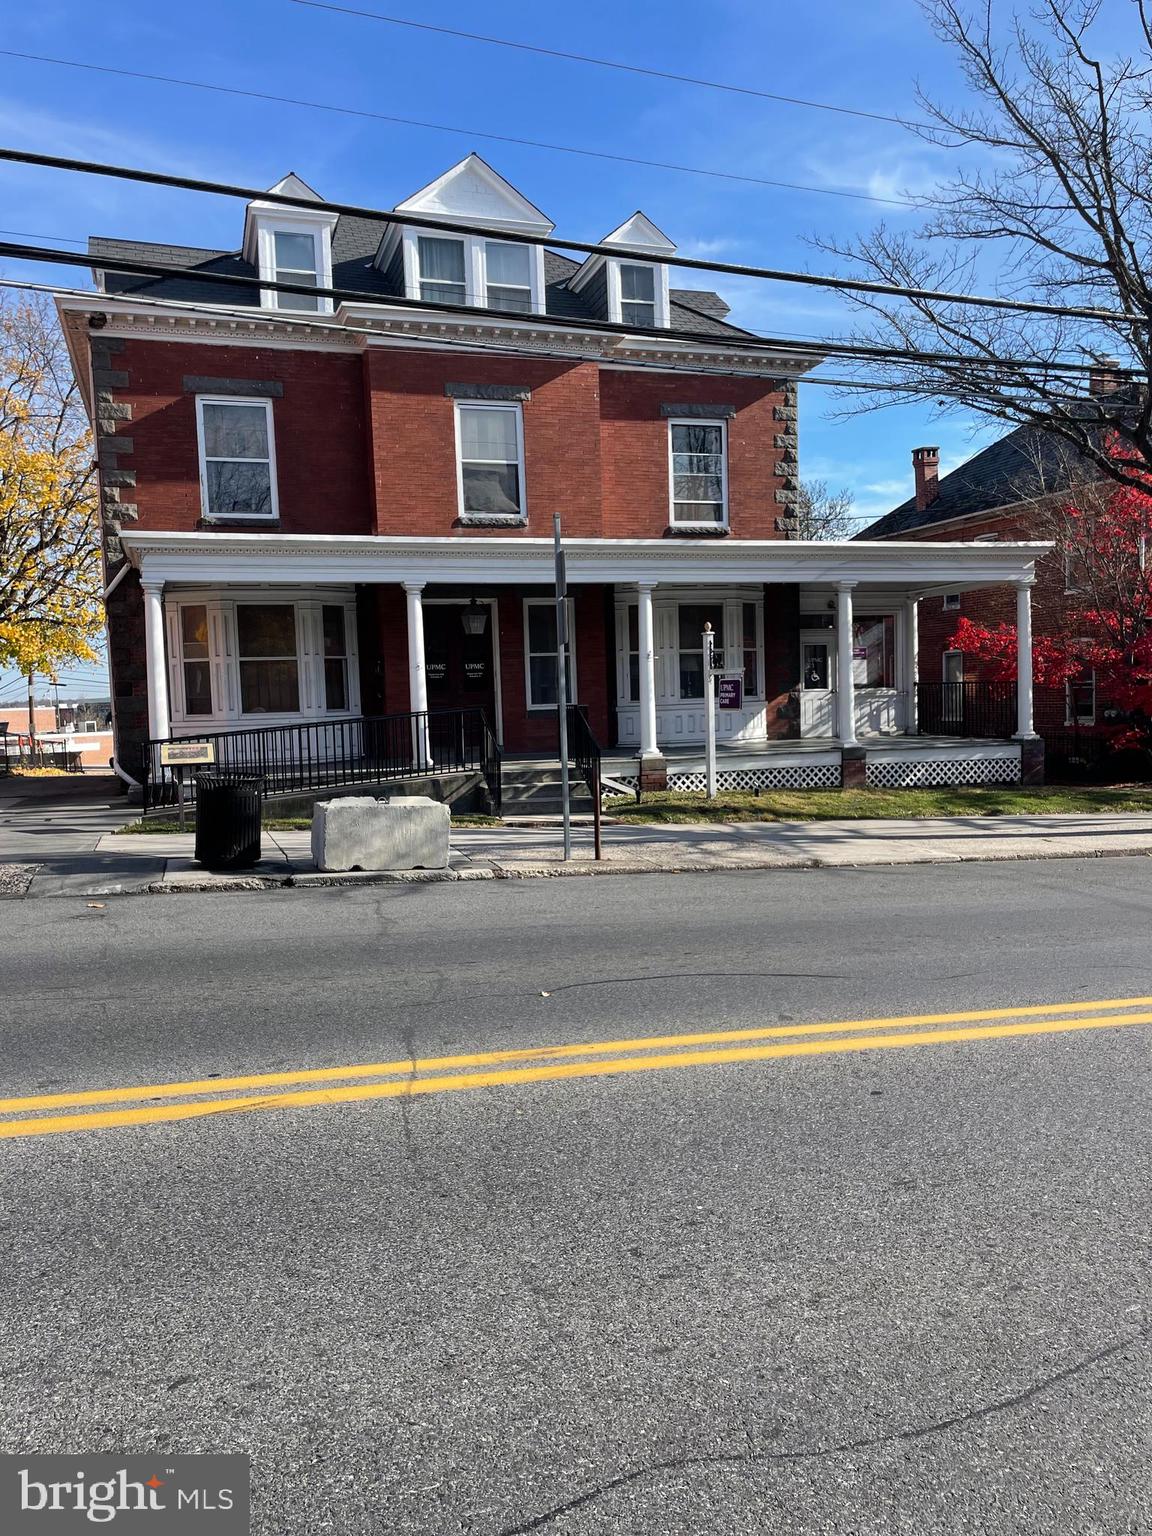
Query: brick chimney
{"x": 926, "y": 468}
{"x": 1104, "y": 377}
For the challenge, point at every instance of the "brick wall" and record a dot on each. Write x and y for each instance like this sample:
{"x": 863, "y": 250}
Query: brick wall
{"x": 318, "y": 422}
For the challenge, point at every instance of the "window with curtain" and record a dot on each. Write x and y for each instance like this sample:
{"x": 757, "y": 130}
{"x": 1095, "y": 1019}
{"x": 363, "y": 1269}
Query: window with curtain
{"x": 442, "y": 268}
{"x": 194, "y": 659}
{"x": 873, "y": 651}
{"x": 236, "y": 458}
{"x": 698, "y": 473}
{"x": 295, "y": 256}
{"x": 509, "y": 276}
{"x": 750, "y": 650}
{"x": 490, "y": 470}
{"x": 542, "y": 650}
{"x": 691, "y": 618}
{"x": 638, "y": 295}
{"x": 335, "y": 657}
{"x": 269, "y": 666}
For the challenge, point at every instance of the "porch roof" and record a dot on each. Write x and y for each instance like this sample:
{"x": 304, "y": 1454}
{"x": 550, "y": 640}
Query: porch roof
{"x": 914, "y": 568}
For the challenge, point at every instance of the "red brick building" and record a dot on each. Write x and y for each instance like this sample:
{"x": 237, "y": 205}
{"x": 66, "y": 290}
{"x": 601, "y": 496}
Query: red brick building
{"x": 324, "y": 506}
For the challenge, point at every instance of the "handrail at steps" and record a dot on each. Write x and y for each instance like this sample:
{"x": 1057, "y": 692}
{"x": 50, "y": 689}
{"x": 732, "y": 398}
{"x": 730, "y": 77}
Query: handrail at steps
{"x": 329, "y": 754}
{"x": 584, "y": 750}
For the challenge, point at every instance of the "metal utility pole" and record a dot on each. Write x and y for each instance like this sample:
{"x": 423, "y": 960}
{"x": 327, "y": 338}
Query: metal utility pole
{"x": 710, "y": 710}
{"x": 562, "y": 682}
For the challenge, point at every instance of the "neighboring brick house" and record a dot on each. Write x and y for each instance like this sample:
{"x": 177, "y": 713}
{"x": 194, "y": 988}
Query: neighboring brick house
{"x": 323, "y": 507}
{"x": 1000, "y": 494}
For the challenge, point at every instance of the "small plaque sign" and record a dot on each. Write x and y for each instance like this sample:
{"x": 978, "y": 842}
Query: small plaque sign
{"x": 730, "y": 693}
{"x": 437, "y": 671}
{"x": 175, "y": 754}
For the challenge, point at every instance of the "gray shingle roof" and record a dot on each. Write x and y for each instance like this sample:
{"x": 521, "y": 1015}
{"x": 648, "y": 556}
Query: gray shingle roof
{"x": 1025, "y": 463}
{"x": 355, "y": 242}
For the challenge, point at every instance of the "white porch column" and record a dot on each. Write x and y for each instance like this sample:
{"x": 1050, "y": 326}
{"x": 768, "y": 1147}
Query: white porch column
{"x": 1024, "y": 730}
{"x": 845, "y": 681}
{"x": 911, "y": 664}
{"x": 159, "y": 718}
{"x": 647, "y": 645}
{"x": 417, "y": 675}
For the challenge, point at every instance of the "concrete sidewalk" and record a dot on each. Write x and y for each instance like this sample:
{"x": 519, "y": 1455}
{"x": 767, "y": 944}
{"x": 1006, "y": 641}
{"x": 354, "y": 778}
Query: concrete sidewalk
{"x": 79, "y": 855}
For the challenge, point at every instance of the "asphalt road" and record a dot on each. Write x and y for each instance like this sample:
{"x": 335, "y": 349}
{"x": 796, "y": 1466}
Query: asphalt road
{"x": 864, "y": 1289}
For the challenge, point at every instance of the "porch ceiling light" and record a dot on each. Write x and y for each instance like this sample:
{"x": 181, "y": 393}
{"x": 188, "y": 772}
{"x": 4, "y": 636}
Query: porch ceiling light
{"x": 474, "y": 618}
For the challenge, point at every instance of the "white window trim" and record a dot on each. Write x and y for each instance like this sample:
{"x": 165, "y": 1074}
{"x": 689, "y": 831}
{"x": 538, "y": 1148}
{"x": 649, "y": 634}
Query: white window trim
{"x": 665, "y": 609}
{"x": 206, "y": 511}
{"x": 1070, "y": 715}
{"x": 513, "y": 519}
{"x": 224, "y": 657}
{"x": 615, "y": 298}
{"x": 321, "y": 237}
{"x": 950, "y": 602}
{"x": 548, "y": 602}
{"x": 944, "y": 678}
{"x": 697, "y": 421}
{"x": 475, "y": 266}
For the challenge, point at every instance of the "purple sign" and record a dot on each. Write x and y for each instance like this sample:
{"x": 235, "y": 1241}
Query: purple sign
{"x": 730, "y": 693}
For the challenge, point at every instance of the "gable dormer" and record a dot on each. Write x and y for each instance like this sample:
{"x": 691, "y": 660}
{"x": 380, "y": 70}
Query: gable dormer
{"x": 291, "y": 245}
{"x": 627, "y": 292}
{"x": 488, "y": 271}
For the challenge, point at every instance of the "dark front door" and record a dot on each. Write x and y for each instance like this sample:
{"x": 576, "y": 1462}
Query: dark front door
{"x": 459, "y": 669}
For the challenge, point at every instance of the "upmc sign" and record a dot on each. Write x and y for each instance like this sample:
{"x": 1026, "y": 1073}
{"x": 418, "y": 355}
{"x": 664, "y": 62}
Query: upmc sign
{"x": 730, "y": 693}
{"x": 142, "y": 1495}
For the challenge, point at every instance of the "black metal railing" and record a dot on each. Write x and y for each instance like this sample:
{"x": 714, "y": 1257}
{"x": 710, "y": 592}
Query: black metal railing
{"x": 328, "y": 754}
{"x": 966, "y": 709}
{"x": 584, "y": 753}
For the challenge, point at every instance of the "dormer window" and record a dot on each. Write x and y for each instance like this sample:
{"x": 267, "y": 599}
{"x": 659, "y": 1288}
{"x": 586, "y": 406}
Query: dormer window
{"x": 291, "y": 245}
{"x": 626, "y": 291}
{"x": 296, "y": 262}
{"x": 637, "y": 295}
{"x": 442, "y": 269}
{"x": 508, "y": 275}
{"x": 497, "y": 271}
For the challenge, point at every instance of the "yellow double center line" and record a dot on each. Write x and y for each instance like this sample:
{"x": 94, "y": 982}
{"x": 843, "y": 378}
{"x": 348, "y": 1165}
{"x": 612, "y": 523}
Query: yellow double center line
{"x": 549, "y": 1063}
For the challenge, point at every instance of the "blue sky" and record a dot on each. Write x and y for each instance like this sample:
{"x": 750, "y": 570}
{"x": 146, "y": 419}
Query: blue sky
{"x": 864, "y": 56}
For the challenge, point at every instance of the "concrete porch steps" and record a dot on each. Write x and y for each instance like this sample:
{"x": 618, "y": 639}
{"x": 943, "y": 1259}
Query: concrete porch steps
{"x": 536, "y": 791}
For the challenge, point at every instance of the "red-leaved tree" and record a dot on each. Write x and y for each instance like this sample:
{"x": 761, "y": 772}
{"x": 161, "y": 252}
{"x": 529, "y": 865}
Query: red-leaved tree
{"x": 1103, "y": 538}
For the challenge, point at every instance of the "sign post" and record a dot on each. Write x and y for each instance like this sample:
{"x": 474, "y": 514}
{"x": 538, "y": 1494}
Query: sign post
{"x": 710, "y": 709}
{"x": 185, "y": 754}
{"x": 562, "y": 681}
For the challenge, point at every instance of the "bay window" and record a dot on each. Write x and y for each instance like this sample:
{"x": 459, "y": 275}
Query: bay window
{"x": 541, "y": 651}
{"x": 247, "y": 656}
{"x": 237, "y": 458}
{"x": 699, "y": 473}
{"x": 490, "y": 460}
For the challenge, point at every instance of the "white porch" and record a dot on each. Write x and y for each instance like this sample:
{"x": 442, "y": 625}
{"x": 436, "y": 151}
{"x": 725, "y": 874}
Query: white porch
{"x": 852, "y": 642}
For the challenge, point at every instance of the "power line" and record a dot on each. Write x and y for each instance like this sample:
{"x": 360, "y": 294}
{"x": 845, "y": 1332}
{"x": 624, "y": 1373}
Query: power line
{"x": 632, "y": 69}
{"x": 471, "y": 133}
{"x": 24, "y": 234}
{"x": 160, "y": 271}
{"x": 596, "y": 248}
{"x": 501, "y": 349}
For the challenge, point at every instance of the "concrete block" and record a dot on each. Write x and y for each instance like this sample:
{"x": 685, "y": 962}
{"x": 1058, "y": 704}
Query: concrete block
{"x": 356, "y": 832}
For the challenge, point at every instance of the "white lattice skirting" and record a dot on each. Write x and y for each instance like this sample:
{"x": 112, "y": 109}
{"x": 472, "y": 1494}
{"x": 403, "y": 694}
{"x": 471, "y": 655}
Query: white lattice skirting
{"x": 793, "y": 776}
{"x": 930, "y": 772}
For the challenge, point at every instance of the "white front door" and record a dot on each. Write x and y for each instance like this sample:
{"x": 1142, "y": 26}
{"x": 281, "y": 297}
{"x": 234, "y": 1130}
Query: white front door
{"x": 817, "y": 674}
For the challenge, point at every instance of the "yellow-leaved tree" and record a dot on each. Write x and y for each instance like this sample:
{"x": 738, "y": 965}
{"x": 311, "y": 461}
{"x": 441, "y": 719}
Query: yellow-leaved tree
{"x": 50, "y": 567}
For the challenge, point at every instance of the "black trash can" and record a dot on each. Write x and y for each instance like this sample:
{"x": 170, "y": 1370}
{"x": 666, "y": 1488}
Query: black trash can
{"x": 228, "y": 807}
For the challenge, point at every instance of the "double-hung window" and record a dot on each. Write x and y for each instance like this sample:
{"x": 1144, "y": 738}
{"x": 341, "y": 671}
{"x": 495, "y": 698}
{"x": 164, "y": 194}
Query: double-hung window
{"x": 295, "y": 262}
{"x": 237, "y": 459}
{"x": 335, "y": 656}
{"x": 442, "y": 270}
{"x": 638, "y": 295}
{"x": 508, "y": 275}
{"x": 269, "y": 658}
{"x": 699, "y": 473}
{"x": 541, "y": 651}
{"x": 195, "y": 663}
{"x": 490, "y": 447}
